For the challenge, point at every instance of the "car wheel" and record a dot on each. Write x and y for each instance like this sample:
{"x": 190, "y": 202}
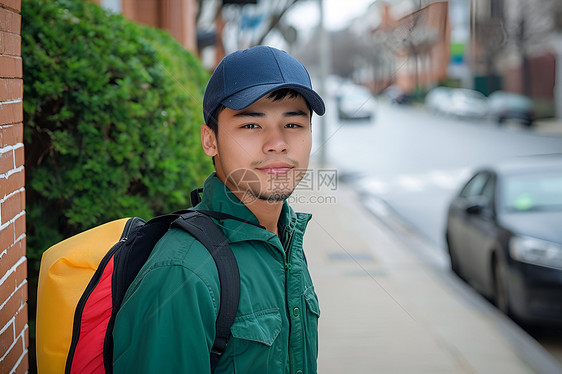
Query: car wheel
{"x": 455, "y": 266}
{"x": 501, "y": 298}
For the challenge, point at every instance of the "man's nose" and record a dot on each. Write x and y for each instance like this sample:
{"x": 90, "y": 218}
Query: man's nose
{"x": 275, "y": 143}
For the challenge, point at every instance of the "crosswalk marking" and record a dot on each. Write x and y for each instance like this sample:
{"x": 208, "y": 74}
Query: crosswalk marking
{"x": 411, "y": 183}
{"x": 416, "y": 182}
{"x": 442, "y": 179}
{"x": 377, "y": 186}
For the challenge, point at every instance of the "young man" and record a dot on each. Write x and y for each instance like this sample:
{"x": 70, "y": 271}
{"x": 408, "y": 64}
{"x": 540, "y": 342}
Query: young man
{"x": 257, "y": 107}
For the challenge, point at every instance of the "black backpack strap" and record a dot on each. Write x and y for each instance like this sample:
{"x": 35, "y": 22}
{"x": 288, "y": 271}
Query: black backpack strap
{"x": 130, "y": 254}
{"x": 195, "y": 198}
{"x": 202, "y": 228}
{"x": 219, "y": 216}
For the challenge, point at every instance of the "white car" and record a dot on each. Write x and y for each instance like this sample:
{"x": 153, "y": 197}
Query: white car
{"x": 355, "y": 102}
{"x": 467, "y": 103}
{"x": 438, "y": 99}
{"x": 460, "y": 102}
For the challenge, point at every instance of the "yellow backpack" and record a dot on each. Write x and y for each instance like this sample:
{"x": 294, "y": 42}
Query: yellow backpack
{"x": 83, "y": 279}
{"x": 66, "y": 270}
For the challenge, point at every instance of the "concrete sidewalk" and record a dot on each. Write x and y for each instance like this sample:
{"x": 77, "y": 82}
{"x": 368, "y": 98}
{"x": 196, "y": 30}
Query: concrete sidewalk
{"x": 387, "y": 306}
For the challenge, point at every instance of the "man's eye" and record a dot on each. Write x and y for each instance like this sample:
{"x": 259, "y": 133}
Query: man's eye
{"x": 250, "y": 126}
{"x": 293, "y": 125}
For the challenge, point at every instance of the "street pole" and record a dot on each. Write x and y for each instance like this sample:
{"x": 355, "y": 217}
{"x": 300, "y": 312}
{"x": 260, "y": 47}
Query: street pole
{"x": 558, "y": 71}
{"x": 324, "y": 69}
{"x": 558, "y": 75}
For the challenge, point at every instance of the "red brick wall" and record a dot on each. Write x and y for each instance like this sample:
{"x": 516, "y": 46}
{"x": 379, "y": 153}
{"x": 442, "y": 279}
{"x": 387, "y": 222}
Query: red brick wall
{"x": 14, "y": 331}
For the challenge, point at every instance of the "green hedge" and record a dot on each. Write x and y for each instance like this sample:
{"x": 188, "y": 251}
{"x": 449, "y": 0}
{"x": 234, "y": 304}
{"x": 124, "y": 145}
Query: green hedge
{"x": 112, "y": 112}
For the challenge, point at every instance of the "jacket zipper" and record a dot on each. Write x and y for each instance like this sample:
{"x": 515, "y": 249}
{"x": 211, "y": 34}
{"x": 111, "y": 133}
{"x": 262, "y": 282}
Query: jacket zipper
{"x": 288, "y": 266}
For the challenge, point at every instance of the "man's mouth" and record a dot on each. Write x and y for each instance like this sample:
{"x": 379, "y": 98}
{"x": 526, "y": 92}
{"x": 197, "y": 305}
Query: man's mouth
{"x": 277, "y": 168}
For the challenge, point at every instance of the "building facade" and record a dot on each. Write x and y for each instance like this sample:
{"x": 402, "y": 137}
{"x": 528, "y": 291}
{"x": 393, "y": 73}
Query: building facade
{"x": 174, "y": 16}
{"x": 410, "y": 41}
{"x": 513, "y": 48}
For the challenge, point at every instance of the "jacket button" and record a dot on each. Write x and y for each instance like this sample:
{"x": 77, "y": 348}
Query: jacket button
{"x": 296, "y": 313}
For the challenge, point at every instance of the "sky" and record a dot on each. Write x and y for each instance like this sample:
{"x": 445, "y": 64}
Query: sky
{"x": 337, "y": 13}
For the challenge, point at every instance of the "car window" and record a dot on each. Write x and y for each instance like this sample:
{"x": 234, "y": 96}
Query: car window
{"x": 475, "y": 185}
{"x": 532, "y": 192}
{"x": 488, "y": 190}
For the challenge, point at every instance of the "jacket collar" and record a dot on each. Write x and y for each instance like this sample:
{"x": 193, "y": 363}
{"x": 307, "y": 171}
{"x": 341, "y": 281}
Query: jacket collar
{"x": 217, "y": 197}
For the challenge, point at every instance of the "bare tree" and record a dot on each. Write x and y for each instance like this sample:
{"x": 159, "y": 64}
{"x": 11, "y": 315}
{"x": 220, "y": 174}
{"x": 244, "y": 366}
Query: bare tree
{"x": 490, "y": 34}
{"x": 530, "y": 25}
{"x": 247, "y": 25}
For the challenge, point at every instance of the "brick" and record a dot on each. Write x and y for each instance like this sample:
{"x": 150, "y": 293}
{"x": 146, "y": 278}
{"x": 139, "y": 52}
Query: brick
{"x": 24, "y": 292}
{"x": 14, "y": 280}
{"x": 14, "y": 252}
{"x": 10, "y": 44}
{"x": 10, "y": 21}
{"x": 21, "y": 273}
{"x": 11, "y": 4}
{"x": 6, "y": 338}
{"x": 11, "y": 112}
{"x": 11, "y": 67}
{"x": 19, "y": 226}
{"x": 19, "y": 157}
{"x": 23, "y": 367}
{"x": 12, "y": 306}
{"x": 6, "y": 241}
{"x": 13, "y": 355}
{"x": 6, "y": 161}
{"x": 12, "y": 206}
{"x": 7, "y": 135}
{"x": 19, "y": 133}
{"x": 11, "y": 134}
{"x": 21, "y": 321}
{"x": 19, "y": 247}
{"x": 14, "y": 182}
{"x": 9, "y": 286}
{"x": 11, "y": 89}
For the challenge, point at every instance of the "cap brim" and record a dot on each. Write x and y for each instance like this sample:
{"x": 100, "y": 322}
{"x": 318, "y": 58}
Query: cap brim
{"x": 247, "y": 97}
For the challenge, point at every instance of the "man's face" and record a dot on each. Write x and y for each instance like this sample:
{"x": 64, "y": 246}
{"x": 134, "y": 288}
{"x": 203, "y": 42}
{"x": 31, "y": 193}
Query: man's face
{"x": 262, "y": 152}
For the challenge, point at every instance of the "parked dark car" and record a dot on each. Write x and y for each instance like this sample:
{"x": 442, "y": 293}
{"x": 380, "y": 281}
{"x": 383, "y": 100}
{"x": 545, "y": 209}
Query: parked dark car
{"x": 396, "y": 95}
{"x": 504, "y": 237}
{"x": 511, "y": 106}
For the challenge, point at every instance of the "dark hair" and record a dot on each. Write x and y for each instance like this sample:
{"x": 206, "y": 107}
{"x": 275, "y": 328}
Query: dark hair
{"x": 214, "y": 120}
{"x": 276, "y": 95}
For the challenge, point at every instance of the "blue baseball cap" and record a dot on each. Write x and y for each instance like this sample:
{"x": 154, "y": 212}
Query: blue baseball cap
{"x": 245, "y": 76}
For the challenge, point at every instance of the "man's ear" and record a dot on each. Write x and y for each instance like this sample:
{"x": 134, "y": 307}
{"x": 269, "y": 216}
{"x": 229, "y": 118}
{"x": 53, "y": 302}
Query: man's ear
{"x": 209, "y": 141}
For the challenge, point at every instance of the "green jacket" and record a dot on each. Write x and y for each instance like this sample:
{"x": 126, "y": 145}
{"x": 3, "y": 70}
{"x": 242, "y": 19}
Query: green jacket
{"x": 166, "y": 323}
